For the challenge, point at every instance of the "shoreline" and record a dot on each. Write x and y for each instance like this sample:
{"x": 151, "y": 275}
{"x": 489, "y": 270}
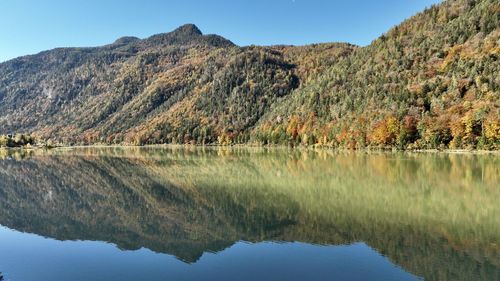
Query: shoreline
{"x": 247, "y": 146}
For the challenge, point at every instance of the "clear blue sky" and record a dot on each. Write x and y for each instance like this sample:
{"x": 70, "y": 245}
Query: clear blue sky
{"x": 31, "y": 26}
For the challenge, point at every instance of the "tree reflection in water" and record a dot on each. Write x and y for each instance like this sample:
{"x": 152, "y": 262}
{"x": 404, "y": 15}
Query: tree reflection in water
{"x": 433, "y": 214}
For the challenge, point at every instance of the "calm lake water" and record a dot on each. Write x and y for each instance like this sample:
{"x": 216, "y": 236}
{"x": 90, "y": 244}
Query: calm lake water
{"x": 248, "y": 214}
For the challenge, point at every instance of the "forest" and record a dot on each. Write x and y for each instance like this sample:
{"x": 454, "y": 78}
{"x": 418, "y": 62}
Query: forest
{"x": 429, "y": 83}
{"x": 16, "y": 140}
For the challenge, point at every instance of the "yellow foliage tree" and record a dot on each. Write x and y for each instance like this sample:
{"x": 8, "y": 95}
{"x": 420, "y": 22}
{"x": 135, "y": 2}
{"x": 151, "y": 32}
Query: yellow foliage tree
{"x": 492, "y": 128}
{"x": 385, "y": 131}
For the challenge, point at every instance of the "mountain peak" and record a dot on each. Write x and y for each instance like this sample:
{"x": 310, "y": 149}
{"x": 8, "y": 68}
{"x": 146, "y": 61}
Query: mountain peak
{"x": 189, "y": 30}
{"x": 126, "y": 40}
{"x": 186, "y": 35}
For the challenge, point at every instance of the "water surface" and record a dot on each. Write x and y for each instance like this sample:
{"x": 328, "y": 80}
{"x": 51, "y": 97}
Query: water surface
{"x": 248, "y": 214}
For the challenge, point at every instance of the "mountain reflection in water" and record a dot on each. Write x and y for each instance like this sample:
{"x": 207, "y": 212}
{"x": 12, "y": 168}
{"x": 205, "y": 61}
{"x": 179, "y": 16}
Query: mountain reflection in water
{"x": 433, "y": 215}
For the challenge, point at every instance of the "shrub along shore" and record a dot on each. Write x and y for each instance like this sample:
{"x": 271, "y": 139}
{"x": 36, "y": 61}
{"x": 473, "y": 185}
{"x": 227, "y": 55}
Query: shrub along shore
{"x": 17, "y": 140}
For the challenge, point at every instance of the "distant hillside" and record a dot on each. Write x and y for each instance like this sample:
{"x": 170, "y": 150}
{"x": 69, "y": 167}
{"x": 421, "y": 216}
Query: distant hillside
{"x": 431, "y": 82}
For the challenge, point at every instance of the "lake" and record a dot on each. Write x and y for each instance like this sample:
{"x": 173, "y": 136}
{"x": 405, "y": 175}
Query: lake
{"x": 177, "y": 213}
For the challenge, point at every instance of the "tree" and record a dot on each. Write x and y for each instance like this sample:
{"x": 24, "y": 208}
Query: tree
{"x": 385, "y": 131}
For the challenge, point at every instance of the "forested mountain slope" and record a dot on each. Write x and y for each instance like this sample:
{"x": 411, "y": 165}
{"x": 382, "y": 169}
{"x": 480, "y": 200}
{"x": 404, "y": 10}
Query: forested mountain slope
{"x": 430, "y": 82}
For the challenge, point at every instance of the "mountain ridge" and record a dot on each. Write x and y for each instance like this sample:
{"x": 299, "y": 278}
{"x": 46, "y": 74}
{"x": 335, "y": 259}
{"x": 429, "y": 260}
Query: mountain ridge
{"x": 427, "y": 83}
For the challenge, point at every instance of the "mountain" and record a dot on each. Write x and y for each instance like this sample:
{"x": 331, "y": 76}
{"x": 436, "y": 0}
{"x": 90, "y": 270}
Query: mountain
{"x": 431, "y": 82}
